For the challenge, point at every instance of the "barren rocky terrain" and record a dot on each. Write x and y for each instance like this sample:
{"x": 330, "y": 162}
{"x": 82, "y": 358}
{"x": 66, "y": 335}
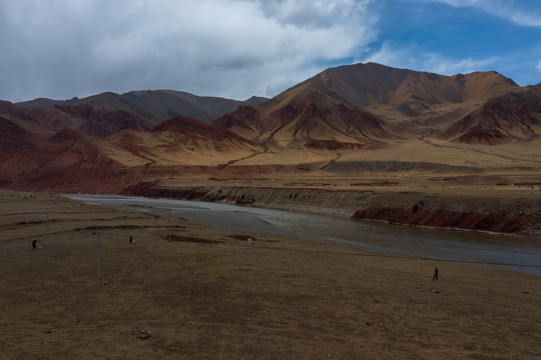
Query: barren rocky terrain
{"x": 362, "y": 140}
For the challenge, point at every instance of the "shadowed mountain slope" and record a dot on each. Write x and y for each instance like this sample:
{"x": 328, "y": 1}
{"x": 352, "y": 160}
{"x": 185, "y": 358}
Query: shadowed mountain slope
{"x": 81, "y": 118}
{"x": 244, "y": 121}
{"x": 512, "y": 117}
{"x": 14, "y": 138}
{"x": 103, "y": 122}
{"x": 192, "y": 129}
{"x": 154, "y": 106}
{"x": 300, "y": 121}
{"x": 303, "y": 121}
{"x": 180, "y": 141}
{"x": 44, "y": 103}
{"x": 20, "y": 116}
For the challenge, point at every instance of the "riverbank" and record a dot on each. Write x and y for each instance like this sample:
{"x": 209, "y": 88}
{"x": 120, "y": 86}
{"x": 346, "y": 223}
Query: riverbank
{"x": 500, "y": 210}
{"x": 207, "y": 294}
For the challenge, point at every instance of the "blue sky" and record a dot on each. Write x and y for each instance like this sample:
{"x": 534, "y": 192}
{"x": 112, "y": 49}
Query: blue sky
{"x": 461, "y": 36}
{"x": 239, "y": 48}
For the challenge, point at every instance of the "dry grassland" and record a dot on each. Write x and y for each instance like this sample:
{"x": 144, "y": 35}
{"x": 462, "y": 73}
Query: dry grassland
{"x": 209, "y": 295}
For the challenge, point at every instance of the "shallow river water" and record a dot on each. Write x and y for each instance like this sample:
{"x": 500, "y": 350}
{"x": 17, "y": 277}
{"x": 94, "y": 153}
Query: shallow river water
{"x": 438, "y": 244}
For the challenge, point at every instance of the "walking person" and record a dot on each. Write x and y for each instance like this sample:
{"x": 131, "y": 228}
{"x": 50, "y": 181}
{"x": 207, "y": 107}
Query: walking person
{"x": 435, "y": 277}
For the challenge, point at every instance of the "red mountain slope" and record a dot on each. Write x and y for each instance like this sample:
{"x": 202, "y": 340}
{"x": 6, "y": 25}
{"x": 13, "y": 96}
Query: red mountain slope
{"x": 190, "y": 127}
{"x": 19, "y": 116}
{"x": 306, "y": 119}
{"x": 179, "y": 141}
{"x": 244, "y": 121}
{"x": 104, "y": 122}
{"x": 64, "y": 135}
{"x": 512, "y": 117}
{"x": 15, "y": 138}
{"x": 82, "y": 118}
{"x": 68, "y": 163}
{"x": 298, "y": 122}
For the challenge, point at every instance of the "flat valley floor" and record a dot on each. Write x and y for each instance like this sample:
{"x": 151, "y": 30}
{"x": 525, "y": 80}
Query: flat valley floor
{"x": 208, "y": 294}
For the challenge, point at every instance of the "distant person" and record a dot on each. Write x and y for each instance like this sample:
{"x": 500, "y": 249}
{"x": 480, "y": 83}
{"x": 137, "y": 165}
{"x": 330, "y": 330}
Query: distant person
{"x": 131, "y": 240}
{"x": 35, "y": 245}
{"x": 435, "y": 277}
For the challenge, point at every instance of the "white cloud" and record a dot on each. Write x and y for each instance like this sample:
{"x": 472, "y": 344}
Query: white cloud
{"x": 539, "y": 66}
{"x": 412, "y": 58}
{"x": 457, "y": 3}
{"x": 388, "y": 56}
{"x": 449, "y": 66}
{"x": 231, "y": 48}
{"x": 524, "y": 13}
{"x": 315, "y": 13}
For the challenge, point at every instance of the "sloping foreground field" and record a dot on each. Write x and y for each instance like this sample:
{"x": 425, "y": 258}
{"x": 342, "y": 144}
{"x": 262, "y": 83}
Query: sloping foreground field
{"x": 207, "y": 294}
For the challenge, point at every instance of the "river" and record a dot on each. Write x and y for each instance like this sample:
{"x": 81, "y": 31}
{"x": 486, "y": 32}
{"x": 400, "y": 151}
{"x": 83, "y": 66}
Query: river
{"x": 438, "y": 244}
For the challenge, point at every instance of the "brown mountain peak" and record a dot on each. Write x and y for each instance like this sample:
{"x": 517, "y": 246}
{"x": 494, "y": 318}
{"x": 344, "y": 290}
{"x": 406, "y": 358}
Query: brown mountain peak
{"x": 371, "y": 83}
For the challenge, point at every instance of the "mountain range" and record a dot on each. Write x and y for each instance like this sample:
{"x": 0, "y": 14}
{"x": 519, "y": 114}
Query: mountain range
{"x": 154, "y": 106}
{"x": 106, "y": 142}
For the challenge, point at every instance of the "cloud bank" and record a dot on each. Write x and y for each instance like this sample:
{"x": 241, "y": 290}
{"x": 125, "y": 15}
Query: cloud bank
{"x": 230, "y": 48}
{"x": 239, "y": 48}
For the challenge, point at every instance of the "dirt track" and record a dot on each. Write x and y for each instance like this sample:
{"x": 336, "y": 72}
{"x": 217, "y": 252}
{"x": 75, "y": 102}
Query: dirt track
{"x": 209, "y": 295}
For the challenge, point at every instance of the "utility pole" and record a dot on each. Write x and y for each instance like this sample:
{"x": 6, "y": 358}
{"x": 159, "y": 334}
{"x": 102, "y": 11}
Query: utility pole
{"x": 156, "y": 230}
{"x": 99, "y": 255}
